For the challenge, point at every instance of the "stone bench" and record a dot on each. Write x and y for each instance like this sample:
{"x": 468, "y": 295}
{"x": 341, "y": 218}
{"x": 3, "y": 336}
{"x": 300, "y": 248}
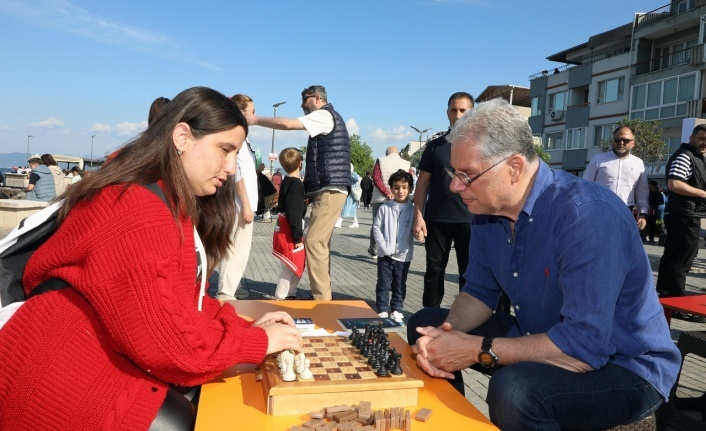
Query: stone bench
{"x": 13, "y": 211}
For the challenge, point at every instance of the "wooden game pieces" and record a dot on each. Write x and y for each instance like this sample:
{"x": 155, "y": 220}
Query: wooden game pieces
{"x": 362, "y": 418}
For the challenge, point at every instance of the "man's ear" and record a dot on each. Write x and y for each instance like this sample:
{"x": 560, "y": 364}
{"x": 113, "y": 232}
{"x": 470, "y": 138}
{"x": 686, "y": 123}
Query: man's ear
{"x": 181, "y": 135}
{"x": 517, "y": 167}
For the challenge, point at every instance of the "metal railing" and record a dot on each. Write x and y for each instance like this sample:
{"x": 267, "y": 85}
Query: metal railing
{"x": 663, "y": 13}
{"x": 693, "y": 55}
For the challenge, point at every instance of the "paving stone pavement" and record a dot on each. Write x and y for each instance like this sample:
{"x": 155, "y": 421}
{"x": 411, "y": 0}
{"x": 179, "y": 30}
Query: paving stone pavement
{"x": 354, "y": 274}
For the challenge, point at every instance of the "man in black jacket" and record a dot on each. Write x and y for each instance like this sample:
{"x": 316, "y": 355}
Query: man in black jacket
{"x": 367, "y": 185}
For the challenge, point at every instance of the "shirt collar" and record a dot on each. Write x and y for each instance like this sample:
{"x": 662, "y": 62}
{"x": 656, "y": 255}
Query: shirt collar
{"x": 542, "y": 181}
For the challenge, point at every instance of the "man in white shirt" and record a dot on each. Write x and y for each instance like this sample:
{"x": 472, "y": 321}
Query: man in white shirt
{"x": 326, "y": 180}
{"x": 623, "y": 173}
{"x": 233, "y": 265}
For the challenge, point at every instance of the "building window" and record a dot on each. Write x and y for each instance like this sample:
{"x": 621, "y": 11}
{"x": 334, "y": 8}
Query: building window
{"x": 536, "y": 106}
{"x": 602, "y": 132}
{"x": 673, "y": 144}
{"x": 685, "y": 5}
{"x": 663, "y": 99}
{"x": 557, "y": 101}
{"x": 554, "y": 141}
{"x": 576, "y": 138}
{"x": 611, "y": 90}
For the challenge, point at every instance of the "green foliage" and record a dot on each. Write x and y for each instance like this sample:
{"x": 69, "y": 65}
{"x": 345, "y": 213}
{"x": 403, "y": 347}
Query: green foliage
{"x": 361, "y": 156}
{"x": 414, "y": 160}
{"x": 650, "y": 145}
{"x": 546, "y": 157}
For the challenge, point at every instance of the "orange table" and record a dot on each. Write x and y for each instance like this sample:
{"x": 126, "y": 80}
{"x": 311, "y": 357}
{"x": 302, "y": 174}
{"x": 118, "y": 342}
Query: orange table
{"x": 236, "y": 401}
{"x": 694, "y": 304}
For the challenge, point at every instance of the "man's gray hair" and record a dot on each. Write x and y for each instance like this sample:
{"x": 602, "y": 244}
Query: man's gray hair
{"x": 498, "y": 128}
{"x": 318, "y": 90}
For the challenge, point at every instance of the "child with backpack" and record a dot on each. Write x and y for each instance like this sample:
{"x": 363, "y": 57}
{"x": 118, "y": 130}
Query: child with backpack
{"x": 392, "y": 230}
{"x": 288, "y": 238}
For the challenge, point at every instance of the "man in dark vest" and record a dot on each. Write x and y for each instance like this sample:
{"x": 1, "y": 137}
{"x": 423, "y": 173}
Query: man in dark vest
{"x": 686, "y": 206}
{"x": 327, "y": 180}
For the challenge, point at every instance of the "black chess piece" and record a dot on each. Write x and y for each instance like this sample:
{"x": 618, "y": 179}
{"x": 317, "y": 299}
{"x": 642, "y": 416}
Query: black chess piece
{"x": 382, "y": 371}
{"x": 390, "y": 364}
{"x": 397, "y": 369}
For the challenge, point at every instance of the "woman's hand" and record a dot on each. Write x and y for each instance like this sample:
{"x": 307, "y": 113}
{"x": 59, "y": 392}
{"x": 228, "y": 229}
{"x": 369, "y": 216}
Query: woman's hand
{"x": 275, "y": 317}
{"x": 282, "y": 337}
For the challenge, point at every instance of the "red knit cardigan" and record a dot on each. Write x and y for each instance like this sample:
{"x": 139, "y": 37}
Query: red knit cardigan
{"x": 102, "y": 353}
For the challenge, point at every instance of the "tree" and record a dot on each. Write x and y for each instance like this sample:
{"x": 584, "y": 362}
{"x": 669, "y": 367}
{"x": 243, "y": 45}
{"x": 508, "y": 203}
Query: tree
{"x": 546, "y": 157}
{"x": 649, "y": 140}
{"x": 361, "y": 156}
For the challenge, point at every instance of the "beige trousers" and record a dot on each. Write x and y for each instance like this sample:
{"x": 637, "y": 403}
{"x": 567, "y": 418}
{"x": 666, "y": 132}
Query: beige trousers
{"x": 326, "y": 206}
{"x": 233, "y": 265}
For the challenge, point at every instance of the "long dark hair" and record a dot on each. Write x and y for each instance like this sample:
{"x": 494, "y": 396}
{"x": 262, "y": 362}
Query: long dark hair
{"x": 152, "y": 157}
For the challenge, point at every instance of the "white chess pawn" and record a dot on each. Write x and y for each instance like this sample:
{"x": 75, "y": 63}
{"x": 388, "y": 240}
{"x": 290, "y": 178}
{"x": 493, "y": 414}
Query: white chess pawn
{"x": 288, "y": 374}
{"x": 306, "y": 372}
{"x": 280, "y": 362}
{"x": 299, "y": 363}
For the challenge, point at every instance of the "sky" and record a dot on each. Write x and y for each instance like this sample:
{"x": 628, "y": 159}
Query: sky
{"x": 79, "y": 75}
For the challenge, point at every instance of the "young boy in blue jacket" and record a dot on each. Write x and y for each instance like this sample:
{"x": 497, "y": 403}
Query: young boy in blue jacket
{"x": 392, "y": 230}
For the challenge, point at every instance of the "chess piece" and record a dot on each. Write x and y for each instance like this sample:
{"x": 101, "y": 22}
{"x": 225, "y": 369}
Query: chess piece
{"x": 299, "y": 363}
{"x": 288, "y": 372}
{"x": 397, "y": 369}
{"x": 306, "y": 372}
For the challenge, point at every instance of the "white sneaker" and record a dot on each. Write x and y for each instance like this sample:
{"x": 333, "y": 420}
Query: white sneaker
{"x": 353, "y": 226}
{"x": 267, "y": 216}
{"x": 337, "y": 226}
{"x": 397, "y": 316}
{"x": 383, "y": 315}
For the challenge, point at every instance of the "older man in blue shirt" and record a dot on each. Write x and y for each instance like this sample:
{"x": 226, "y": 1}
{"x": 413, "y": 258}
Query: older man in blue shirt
{"x": 588, "y": 346}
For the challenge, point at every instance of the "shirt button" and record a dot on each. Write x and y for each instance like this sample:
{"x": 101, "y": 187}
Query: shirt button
{"x": 517, "y": 307}
{"x": 531, "y": 219}
{"x": 528, "y": 333}
{"x": 514, "y": 274}
{"x": 508, "y": 241}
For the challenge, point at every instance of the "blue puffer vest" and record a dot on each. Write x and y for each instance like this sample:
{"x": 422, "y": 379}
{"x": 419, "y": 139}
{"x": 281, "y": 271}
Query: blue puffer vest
{"x": 44, "y": 189}
{"x": 328, "y": 157}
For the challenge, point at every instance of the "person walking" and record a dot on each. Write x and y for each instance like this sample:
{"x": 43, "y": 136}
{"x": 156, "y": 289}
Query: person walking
{"x": 350, "y": 208}
{"x": 366, "y": 184}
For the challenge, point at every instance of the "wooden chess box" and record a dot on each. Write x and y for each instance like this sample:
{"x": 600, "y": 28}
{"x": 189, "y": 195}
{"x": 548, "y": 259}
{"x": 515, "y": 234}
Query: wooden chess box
{"x": 341, "y": 375}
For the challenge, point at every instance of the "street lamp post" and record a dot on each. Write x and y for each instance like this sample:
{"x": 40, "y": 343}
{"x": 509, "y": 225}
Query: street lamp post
{"x": 420, "y": 133}
{"x": 28, "y": 136}
{"x": 92, "y": 151}
{"x": 273, "y": 135}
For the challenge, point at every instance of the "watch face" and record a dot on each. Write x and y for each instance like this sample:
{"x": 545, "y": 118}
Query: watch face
{"x": 486, "y": 359}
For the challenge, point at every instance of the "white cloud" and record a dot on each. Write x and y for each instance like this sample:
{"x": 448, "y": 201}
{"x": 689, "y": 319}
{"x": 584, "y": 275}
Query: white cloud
{"x": 395, "y": 134}
{"x": 66, "y": 17}
{"x": 130, "y": 129}
{"x": 100, "y": 127}
{"x": 5, "y": 127}
{"x": 49, "y": 123}
{"x": 353, "y": 127}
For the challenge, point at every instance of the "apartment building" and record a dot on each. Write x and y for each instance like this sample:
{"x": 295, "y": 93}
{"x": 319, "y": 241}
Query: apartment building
{"x": 651, "y": 68}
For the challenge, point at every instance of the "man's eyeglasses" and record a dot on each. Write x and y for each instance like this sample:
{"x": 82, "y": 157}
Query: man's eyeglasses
{"x": 623, "y": 140}
{"x": 306, "y": 97}
{"x": 464, "y": 178}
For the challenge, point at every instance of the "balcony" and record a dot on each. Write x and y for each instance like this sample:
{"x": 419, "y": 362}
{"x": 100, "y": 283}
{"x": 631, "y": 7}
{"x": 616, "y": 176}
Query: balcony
{"x": 693, "y": 56}
{"x": 665, "y": 12}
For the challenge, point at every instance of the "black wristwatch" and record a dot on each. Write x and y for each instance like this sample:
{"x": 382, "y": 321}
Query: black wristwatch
{"x": 487, "y": 358}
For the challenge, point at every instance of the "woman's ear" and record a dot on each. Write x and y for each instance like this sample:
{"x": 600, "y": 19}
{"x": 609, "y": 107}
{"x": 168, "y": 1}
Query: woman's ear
{"x": 180, "y": 136}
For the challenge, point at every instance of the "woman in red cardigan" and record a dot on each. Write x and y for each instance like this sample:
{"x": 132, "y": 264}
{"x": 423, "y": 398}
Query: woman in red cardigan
{"x": 109, "y": 351}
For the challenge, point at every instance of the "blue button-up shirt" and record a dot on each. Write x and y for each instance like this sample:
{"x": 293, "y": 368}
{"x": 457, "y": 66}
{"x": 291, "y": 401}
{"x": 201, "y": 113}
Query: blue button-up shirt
{"x": 576, "y": 270}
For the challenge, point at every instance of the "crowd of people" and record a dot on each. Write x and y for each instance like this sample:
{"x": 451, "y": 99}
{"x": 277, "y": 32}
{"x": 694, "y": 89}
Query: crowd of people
{"x": 559, "y": 318}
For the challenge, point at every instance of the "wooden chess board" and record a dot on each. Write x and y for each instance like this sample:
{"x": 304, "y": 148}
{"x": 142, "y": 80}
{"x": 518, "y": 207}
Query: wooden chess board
{"x": 341, "y": 375}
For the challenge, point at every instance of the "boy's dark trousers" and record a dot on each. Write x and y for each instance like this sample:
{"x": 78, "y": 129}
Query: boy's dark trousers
{"x": 392, "y": 275}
